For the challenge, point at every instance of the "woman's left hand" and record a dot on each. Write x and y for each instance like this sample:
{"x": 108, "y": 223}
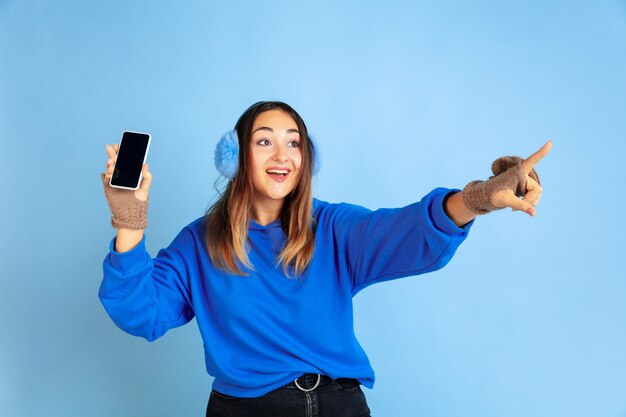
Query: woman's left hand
{"x": 507, "y": 198}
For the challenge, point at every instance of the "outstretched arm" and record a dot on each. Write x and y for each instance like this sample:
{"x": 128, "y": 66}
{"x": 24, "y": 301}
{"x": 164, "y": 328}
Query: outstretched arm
{"x": 461, "y": 214}
{"x": 456, "y": 210}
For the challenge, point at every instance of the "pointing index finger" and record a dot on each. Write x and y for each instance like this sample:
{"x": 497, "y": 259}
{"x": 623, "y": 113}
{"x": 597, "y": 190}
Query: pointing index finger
{"x": 533, "y": 159}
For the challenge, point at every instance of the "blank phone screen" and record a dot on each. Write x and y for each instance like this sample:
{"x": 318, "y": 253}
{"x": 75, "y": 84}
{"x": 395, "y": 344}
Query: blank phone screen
{"x": 130, "y": 158}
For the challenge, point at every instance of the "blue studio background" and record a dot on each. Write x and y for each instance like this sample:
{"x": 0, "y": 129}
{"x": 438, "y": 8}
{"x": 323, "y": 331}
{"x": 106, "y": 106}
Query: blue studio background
{"x": 529, "y": 318}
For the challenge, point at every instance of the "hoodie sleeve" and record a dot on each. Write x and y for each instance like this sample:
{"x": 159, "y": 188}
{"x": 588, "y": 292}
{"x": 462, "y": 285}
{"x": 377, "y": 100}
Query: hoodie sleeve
{"x": 146, "y": 297}
{"x": 392, "y": 243}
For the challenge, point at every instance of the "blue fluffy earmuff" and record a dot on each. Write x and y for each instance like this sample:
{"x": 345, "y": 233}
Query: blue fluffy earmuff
{"x": 227, "y": 155}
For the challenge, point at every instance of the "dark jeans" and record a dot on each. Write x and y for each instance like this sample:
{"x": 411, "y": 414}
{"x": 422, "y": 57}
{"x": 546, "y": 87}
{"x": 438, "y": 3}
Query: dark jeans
{"x": 339, "y": 398}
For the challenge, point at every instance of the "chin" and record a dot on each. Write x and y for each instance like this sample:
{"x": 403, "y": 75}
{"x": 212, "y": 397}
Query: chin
{"x": 278, "y": 196}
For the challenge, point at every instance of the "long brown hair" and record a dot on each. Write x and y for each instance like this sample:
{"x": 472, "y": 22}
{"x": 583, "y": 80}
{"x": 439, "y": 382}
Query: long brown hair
{"x": 227, "y": 220}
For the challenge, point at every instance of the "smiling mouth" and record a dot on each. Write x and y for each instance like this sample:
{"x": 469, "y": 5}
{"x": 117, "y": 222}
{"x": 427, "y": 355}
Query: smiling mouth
{"x": 278, "y": 175}
{"x": 278, "y": 171}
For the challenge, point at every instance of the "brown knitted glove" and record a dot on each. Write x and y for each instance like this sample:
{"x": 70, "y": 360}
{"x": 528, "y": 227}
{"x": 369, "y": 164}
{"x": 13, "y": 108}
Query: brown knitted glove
{"x": 500, "y": 165}
{"x": 127, "y": 211}
{"x": 508, "y": 175}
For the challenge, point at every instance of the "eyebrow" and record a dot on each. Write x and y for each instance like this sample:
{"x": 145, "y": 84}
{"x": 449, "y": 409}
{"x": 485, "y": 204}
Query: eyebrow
{"x": 272, "y": 130}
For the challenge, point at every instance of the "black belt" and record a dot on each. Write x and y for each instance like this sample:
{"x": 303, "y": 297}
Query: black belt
{"x": 308, "y": 382}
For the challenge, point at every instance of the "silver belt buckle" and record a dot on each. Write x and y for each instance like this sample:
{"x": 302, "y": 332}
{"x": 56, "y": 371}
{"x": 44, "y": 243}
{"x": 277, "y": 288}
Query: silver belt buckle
{"x": 319, "y": 378}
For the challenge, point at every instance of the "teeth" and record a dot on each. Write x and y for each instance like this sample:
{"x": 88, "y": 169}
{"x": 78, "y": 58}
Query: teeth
{"x": 277, "y": 171}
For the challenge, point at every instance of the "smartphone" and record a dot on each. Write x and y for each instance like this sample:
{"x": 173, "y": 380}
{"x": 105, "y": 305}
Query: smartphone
{"x": 131, "y": 156}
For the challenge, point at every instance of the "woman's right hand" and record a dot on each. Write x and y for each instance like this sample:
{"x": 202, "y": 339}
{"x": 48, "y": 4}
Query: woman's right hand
{"x": 142, "y": 192}
{"x": 129, "y": 208}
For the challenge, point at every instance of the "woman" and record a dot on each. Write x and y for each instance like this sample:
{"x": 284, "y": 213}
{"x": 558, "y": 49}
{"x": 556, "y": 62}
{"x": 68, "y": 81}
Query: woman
{"x": 269, "y": 272}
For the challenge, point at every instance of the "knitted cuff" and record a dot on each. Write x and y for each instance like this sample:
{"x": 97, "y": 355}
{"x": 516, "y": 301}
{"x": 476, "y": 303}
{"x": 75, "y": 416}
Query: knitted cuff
{"x": 127, "y": 211}
{"x": 508, "y": 175}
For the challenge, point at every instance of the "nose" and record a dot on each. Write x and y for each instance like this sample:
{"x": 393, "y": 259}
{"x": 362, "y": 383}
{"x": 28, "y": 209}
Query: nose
{"x": 280, "y": 153}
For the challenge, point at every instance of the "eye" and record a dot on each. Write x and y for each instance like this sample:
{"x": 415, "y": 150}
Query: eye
{"x": 263, "y": 142}
{"x": 294, "y": 143}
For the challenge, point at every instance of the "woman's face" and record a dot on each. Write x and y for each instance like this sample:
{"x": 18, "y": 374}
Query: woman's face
{"x": 275, "y": 157}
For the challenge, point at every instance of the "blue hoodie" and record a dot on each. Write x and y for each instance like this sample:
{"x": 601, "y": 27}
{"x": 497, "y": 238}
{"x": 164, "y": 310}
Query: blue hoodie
{"x": 264, "y": 330}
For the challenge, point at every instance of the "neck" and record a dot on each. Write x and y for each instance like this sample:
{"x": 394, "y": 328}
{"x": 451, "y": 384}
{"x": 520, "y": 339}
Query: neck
{"x": 266, "y": 212}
